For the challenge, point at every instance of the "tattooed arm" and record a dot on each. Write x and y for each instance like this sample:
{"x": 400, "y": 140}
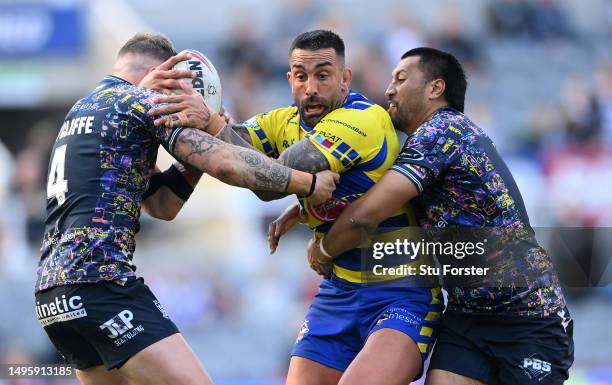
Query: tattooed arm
{"x": 303, "y": 156}
{"x": 246, "y": 168}
{"x": 238, "y": 135}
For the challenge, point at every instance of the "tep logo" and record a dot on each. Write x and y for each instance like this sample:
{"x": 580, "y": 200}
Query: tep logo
{"x": 119, "y": 324}
{"x": 535, "y": 368}
{"x": 58, "y": 310}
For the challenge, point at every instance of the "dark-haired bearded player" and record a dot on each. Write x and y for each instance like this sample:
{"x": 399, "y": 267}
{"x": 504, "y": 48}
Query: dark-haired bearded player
{"x": 99, "y": 315}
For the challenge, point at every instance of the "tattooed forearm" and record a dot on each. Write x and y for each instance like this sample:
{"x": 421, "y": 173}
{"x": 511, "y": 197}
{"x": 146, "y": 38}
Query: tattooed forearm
{"x": 196, "y": 144}
{"x": 231, "y": 164}
{"x": 238, "y": 134}
{"x": 268, "y": 175}
{"x": 304, "y": 156}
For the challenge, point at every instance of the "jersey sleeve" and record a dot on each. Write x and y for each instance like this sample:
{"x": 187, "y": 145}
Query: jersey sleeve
{"x": 427, "y": 154}
{"x": 138, "y": 104}
{"x": 262, "y": 130}
{"x": 346, "y": 143}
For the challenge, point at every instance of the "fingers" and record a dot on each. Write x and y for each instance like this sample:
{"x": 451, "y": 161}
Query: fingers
{"x": 225, "y": 115}
{"x": 303, "y": 215}
{"x": 272, "y": 244}
{"x": 170, "y": 121}
{"x": 167, "y": 109}
{"x": 336, "y": 177}
{"x": 175, "y": 74}
{"x": 321, "y": 265}
{"x": 187, "y": 88}
{"x": 161, "y": 121}
{"x": 272, "y": 238}
{"x": 171, "y": 62}
{"x": 168, "y": 85}
{"x": 169, "y": 99}
{"x": 173, "y": 120}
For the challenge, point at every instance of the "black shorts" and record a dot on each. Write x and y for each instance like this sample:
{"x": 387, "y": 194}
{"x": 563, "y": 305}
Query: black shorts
{"x": 506, "y": 350}
{"x": 102, "y": 323}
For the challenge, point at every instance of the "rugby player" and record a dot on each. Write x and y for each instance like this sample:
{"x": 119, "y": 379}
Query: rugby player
{"x": 97, "y": 313}
{"x": 330, "y": 127}
{"x": 516, "y": 333}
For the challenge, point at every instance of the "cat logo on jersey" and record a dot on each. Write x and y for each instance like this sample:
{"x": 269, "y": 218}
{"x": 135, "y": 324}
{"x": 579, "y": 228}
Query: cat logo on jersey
{"x": 328, "y": 211}
{"x": 384, "y": 317}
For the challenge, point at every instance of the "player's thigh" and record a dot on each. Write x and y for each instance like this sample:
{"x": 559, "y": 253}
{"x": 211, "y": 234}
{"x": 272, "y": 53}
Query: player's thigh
{"x": 443, "y": 377}
{"x": 99, "y": 375}
{"x": 168, "y": 361}
{"x": 303, "y": 371}
{"x": 389, "y": 357}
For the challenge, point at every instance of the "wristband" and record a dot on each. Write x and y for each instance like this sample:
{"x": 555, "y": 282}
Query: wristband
{"x": 313, "y": 184}
{"x": 216, "y": 123}
{"x": 173, "y": 179}
{"x": 155, "y": 182}
{"x": 176, "y": 182}
{"x": 323, "y": 251}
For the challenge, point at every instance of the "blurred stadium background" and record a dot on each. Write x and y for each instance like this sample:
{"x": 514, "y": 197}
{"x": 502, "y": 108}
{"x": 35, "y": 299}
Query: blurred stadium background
{"x": 540, "y": 83}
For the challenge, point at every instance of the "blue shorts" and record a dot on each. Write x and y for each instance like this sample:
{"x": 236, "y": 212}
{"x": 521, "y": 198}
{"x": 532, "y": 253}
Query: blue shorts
{"x": 344, "y": 314}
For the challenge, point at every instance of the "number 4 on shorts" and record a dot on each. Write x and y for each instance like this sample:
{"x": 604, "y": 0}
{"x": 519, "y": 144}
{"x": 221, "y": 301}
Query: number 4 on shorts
{"x": 57, "y": 186}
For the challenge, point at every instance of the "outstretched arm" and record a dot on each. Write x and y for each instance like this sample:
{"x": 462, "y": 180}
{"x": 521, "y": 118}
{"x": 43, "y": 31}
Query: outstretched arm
{"x": 247, "y": 168}
{"x": 189, "y": 111}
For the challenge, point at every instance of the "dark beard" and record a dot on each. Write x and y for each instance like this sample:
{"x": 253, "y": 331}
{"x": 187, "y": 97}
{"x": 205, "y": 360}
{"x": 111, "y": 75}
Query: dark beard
{"x": 327, "y": 108}
{"x": 313, "y": 121}
{"x": 398, "y": 121}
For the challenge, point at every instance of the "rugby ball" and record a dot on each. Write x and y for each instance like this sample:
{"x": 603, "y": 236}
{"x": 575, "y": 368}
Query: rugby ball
{"x": 206, "y": 82}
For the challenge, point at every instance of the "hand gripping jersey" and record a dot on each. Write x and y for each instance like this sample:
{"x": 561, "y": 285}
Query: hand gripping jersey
{"x": 100, "y": 166}
{"x": 359, "y": 142}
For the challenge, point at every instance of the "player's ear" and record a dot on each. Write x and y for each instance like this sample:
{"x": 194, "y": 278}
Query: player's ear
{"x": 437, "y": 88}
{"x": 289, "y": 77}
{"x": 347, "y": 76}
{"x": 149, "y": 69}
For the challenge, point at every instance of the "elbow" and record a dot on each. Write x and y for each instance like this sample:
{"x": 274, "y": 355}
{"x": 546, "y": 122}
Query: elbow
{"x": 164, "y": 216}
{"x": 169, "y": 216}
{"x": 364, "y": 223}
{"x": 265, "y": 197}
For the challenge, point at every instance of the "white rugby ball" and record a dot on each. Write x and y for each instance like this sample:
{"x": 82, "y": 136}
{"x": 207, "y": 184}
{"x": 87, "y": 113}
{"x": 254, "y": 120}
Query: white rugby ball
{"x": 206, "y": 82}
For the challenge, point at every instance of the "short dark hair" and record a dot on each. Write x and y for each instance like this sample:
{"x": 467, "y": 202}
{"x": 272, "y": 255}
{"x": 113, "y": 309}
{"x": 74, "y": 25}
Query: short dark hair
{"x": 318, "y": 39}
{"x": 156, "y": 45}
{"x": 437, "y": 64}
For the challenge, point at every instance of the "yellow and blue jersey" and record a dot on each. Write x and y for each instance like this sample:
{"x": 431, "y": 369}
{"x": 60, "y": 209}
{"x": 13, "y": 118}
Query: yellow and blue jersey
{"x": 359, "y": 142}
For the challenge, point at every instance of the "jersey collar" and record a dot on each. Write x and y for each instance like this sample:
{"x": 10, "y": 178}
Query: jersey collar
{"x": 112, "y": 79}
